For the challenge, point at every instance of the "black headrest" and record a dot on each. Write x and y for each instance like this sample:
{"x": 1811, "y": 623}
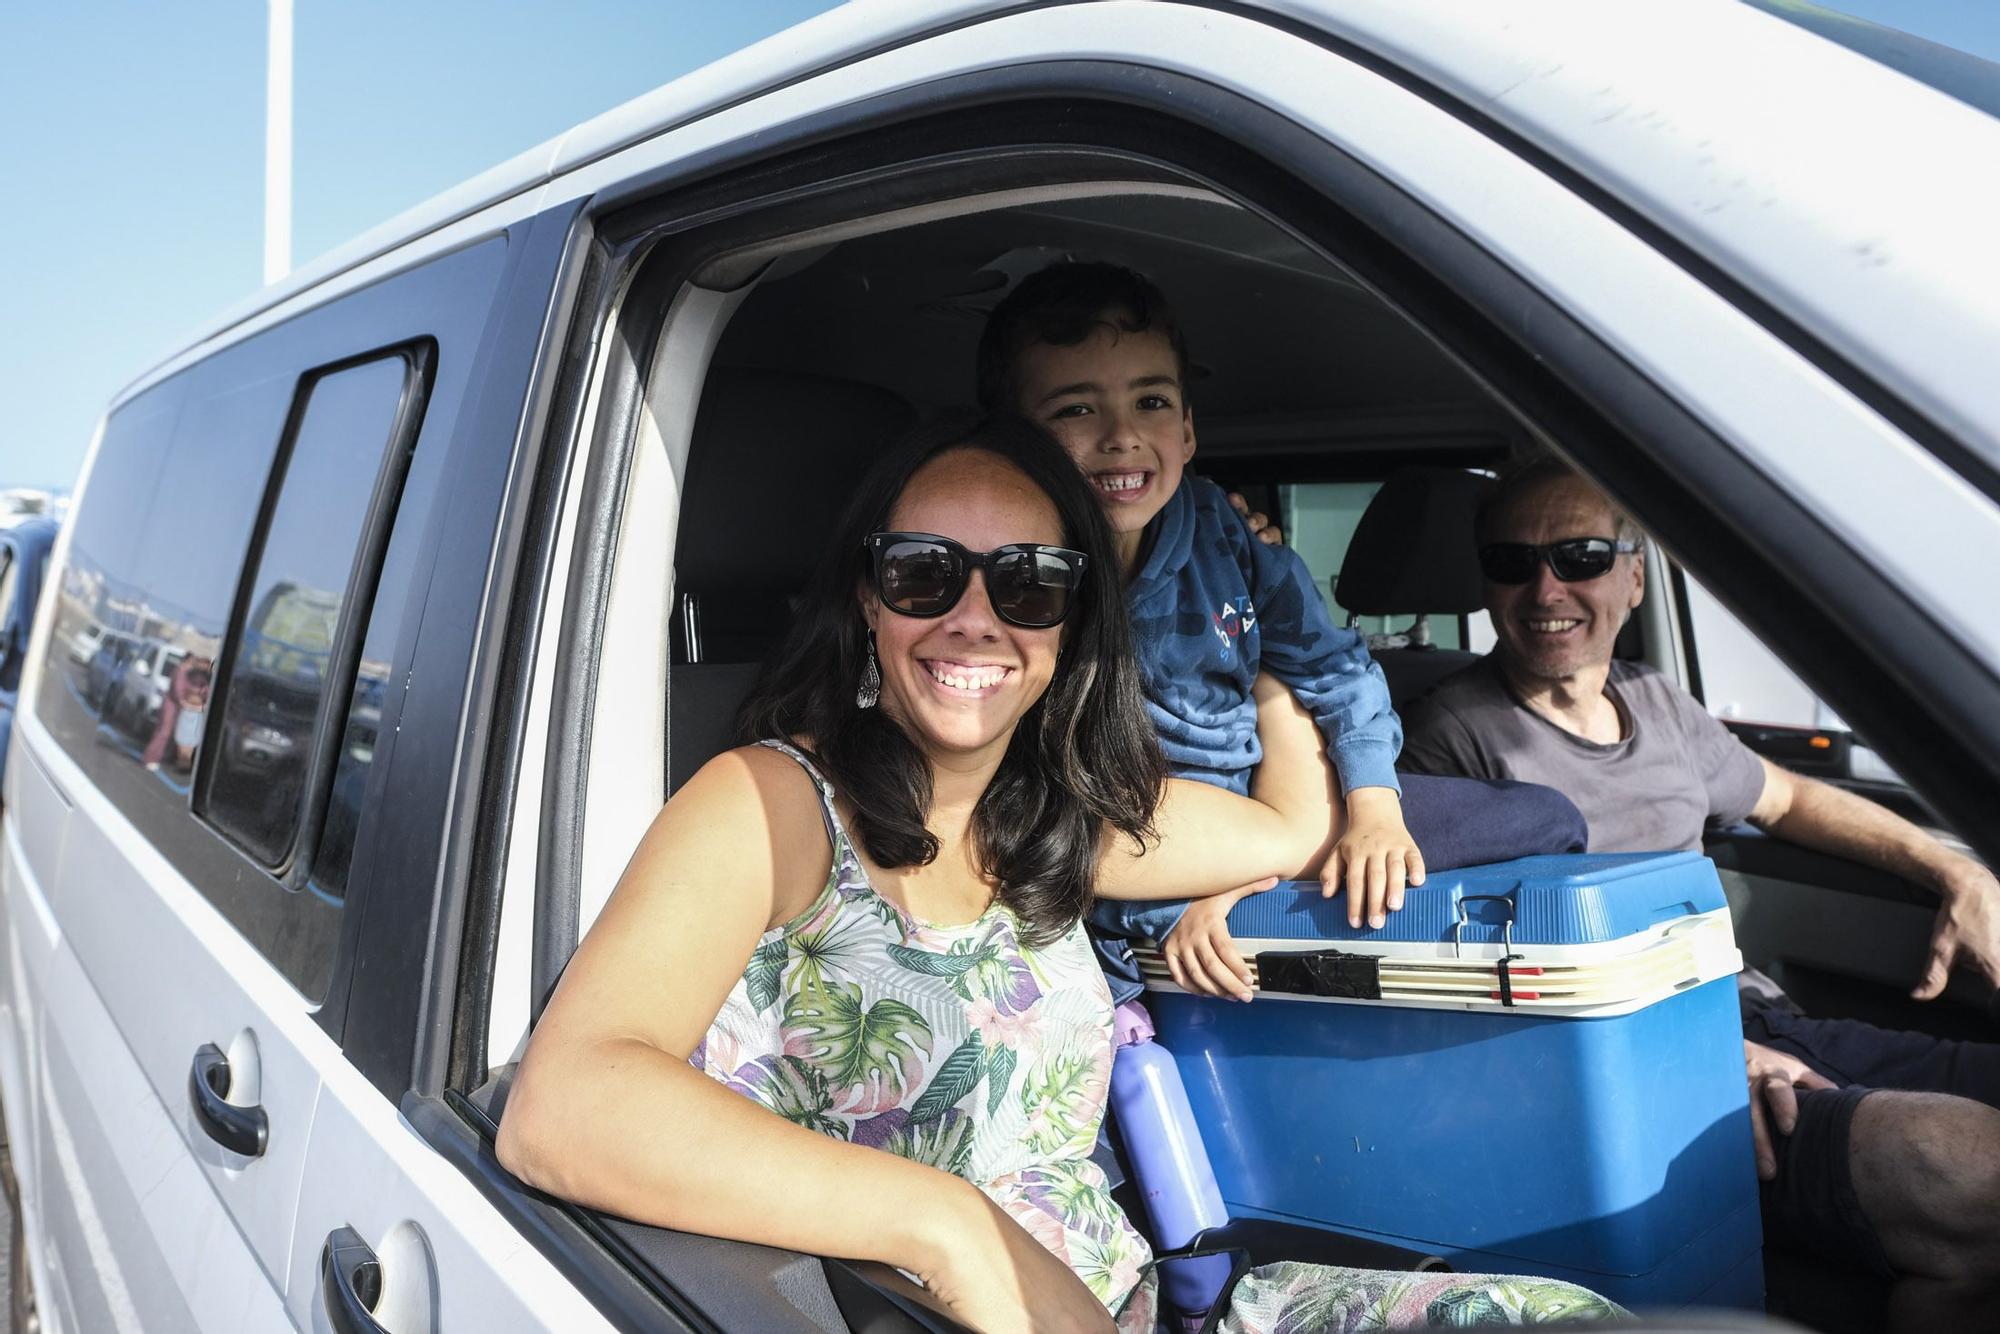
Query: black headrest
{"x": 773, "y": 459}
{"x": 1413, "y": 550}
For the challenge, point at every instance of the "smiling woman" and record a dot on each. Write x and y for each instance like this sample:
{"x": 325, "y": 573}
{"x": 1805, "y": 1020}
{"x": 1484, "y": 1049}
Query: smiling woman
{"x": 864, "y": 934}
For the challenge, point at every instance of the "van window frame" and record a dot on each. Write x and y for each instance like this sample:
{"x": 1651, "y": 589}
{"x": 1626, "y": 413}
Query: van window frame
{"x": 1684, "y": 481}
{"x": 647, "y": 236}
{"x": 293, "y": 865}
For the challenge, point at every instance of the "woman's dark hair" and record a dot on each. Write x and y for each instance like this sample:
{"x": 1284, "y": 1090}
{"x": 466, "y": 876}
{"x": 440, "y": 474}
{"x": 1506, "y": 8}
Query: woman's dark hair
{"x": 1063, "y": 305}
{"x": 1084, "y": 757}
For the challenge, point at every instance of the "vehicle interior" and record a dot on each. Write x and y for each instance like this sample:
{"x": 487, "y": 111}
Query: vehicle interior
{"x": 784, "y": 366}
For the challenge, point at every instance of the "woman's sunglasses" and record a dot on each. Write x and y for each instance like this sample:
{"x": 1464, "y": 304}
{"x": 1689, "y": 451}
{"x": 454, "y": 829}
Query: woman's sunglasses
{"x": 922, "y": 574}
{"x": 1573, "y": 559}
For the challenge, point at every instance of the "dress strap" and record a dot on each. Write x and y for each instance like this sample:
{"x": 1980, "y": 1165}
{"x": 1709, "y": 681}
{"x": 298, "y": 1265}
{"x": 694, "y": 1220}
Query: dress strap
{"x": 827, "y": 815}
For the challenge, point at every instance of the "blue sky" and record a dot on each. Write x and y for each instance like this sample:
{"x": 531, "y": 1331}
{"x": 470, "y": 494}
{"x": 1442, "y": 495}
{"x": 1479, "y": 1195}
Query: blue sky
{"x": 132, "y": 151}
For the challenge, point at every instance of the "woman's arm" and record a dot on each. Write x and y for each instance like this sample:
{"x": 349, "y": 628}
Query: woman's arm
{"x": 606, "y": 1110}
{"x": 1212, "y": 841}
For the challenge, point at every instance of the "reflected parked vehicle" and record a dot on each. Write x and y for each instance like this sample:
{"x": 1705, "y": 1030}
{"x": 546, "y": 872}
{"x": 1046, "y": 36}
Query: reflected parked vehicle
{"x": 132, "y": 706}
{"x": 82, "y": 645}
{"x": 24, "y": 559}
{"x": 106, "y": 669}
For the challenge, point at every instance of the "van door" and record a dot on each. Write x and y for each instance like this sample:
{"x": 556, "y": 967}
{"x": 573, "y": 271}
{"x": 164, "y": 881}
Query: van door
{"x": 143, "y": 1217}
{"x": 241, "y": 515}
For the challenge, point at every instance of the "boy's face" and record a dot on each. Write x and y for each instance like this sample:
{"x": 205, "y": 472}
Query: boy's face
{"x": 1114, "y": 402}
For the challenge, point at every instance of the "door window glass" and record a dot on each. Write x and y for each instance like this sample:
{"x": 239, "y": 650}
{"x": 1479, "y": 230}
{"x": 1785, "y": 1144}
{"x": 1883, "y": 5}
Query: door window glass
{"x": 308, "y": 570}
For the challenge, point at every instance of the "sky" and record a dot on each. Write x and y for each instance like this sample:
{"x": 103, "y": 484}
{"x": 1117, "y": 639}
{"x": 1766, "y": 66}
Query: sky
{"x": 132, "y": 154}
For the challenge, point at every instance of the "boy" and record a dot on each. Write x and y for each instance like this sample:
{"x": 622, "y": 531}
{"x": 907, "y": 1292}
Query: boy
{"x": 1092, "y": 353}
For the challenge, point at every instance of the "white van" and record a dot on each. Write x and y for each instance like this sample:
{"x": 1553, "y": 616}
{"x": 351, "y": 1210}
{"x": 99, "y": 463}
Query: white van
{"x": 493, "y": 512}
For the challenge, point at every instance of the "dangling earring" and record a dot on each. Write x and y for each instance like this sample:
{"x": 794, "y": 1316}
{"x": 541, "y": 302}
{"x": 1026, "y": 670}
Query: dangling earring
{"x": 871, "y": 679}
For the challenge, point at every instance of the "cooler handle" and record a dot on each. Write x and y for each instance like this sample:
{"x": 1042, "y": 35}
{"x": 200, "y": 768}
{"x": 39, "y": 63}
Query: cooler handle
{"x": 1506, "y": 927}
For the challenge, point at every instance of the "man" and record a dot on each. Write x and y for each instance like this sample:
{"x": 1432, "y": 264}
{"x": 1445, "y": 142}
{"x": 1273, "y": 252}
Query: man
{"x": 1905, "y": 1182}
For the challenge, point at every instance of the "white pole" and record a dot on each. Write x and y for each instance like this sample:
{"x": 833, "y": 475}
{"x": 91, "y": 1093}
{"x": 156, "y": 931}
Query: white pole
{"x": 278, "y": 144}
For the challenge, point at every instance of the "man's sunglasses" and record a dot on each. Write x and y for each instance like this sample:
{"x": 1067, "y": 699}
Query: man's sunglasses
{"x": 922, "y": 574}
{"x": 1573, "y": 559}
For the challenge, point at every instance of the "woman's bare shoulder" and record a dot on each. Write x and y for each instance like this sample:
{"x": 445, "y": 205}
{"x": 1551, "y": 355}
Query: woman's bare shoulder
{"x": 758, "y": 804}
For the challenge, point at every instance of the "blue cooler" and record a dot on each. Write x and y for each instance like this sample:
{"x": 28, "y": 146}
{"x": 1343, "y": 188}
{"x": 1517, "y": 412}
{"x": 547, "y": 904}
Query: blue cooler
{"x": 1535, "y": 1067}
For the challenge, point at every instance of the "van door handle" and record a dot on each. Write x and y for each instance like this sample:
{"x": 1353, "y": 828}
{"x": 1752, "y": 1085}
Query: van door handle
{"x": 350, "y": 1283}
{"x": 241, "y": 1130}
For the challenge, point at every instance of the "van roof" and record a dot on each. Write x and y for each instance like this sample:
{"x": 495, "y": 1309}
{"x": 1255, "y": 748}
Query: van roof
{"x": 822, "y": 42}
{"x": 1836, "y": 189}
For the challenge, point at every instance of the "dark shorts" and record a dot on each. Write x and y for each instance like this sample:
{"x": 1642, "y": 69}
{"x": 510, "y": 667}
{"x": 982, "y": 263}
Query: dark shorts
{"x": 1848, "y": 1051}
{"x": 1811, "y": 1207}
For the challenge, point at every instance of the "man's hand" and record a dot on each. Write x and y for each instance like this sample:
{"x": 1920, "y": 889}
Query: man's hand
{"x": 1967, "y": 928}
{"x": 1260, "y": 523}
{"x": 1774, "y": 1081}
{"x": 1200, "y": 952}
{"x": 1374, "y": 859}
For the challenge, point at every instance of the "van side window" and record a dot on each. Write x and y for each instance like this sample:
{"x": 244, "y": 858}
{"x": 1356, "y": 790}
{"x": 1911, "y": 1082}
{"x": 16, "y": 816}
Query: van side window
{"x": 306, "y": 591}
{"x": 106, "y": 611}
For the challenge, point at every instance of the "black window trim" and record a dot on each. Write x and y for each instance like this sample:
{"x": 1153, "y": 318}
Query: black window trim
{"x": 1679, "y": 477}
{"x": 294, "y": 866}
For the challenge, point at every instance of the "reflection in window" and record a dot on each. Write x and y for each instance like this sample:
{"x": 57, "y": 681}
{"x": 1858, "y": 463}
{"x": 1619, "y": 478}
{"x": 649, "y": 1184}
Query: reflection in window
{"x": 296, "y": 604}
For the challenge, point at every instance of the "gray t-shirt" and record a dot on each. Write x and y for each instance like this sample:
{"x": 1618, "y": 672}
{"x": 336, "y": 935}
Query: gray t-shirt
{"x": 1677, "y": 772}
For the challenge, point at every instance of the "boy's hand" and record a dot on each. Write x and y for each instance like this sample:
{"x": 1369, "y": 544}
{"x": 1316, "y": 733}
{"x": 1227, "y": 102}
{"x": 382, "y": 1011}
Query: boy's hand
{"x": 1374, "y": 858}
{"x": 1260, "y": 523}
{"x": 1201, "y": 954}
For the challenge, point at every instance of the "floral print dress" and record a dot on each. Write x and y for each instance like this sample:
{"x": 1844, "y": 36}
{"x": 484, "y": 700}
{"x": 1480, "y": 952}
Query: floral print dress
{"x": 962, "y": 1047}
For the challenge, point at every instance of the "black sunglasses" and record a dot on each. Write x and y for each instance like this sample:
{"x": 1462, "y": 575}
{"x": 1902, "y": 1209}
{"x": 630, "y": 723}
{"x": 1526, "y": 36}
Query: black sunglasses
{"x": 922, "y": 574}
{"x": 1573, "y": 559}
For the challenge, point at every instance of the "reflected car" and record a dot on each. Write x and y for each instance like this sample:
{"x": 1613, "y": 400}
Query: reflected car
{"x": 24, "y": 554}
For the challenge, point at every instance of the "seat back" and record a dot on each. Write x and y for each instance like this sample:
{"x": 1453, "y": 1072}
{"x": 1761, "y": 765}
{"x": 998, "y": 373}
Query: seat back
{"x": 773, "y": 458}
{"x": 1414, "y": 553}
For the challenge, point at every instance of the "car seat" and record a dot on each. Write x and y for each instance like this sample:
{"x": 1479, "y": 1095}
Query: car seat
{"x": 774, "y": 457}
{"x": 1413, "y": 553}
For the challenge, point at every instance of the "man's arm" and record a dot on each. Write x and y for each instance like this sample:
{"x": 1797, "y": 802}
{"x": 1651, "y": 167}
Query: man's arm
{"x": 1823, "y": 817}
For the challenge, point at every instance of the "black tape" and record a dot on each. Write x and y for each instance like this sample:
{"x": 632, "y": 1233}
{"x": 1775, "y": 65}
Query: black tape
{"x": 1506, "y": 983}
{"x": 1321, "y": 973}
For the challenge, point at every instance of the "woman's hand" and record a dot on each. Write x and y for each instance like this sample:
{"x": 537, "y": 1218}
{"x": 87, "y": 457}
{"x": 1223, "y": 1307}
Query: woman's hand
{"x": 1375, "y": 857}
{"x": 996, "y": 1278}
{"x": 1200, "y": 952}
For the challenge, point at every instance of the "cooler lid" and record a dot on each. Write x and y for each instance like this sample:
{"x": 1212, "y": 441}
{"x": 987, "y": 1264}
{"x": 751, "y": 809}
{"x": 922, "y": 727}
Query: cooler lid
{"x": 1581, "y": 936}
{"x": 1574, "y": 899}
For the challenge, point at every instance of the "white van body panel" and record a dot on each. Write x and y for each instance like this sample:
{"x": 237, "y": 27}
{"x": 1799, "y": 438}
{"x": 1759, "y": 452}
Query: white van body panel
{"x": 165, "y": 973}
{"x": 449, "y": 1260}
{"x": 825, "y": 40}
{"x": 103, "y": 1009}
{"x": 1843, "y": 192}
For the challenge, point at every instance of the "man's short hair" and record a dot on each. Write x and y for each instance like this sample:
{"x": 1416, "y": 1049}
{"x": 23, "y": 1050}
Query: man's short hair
{"x": 1062, "y": 305}
{"x": 1529, "y": 474}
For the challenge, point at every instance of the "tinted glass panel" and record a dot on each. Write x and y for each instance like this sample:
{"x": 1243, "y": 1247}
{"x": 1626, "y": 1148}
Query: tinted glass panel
{"x": 284, "y": 656}
{"x": 104, "y": 611}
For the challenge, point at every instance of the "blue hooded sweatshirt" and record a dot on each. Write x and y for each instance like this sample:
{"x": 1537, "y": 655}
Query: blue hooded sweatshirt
{"x": 1210, "y": 608}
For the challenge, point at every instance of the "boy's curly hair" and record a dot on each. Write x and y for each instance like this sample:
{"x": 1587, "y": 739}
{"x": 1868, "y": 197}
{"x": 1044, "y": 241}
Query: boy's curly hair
{"x": 1062, "y": 305}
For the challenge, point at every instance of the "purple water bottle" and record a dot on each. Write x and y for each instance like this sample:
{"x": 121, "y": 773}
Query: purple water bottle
{"x": 1169, "y": 1162}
